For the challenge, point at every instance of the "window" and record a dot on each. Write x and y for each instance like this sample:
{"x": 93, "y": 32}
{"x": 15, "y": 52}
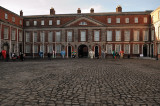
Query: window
{"x": 109, "y": 20}
{"x": 109, "y": 48}
{"x": 50, "y": 37}
{"x": 158, "y": 48}
{"x": 42, "y": 37}
{"x": 118, "y": 35}
{"x": 117, "y": 20}
{"x": 58, "y": 48}
{"x": 42, "y": 22}
{"x": 145, "y": 19}
{"x": 42, "y": 48}
{"x": 50, "y": 48}
{"x": 127, "y": 49}
{"x": 13, "y": 34}
{"x": 28, "y": 49}
{"x": 152, "y": 38}
{"x": 35, "y": 37}
{"x": 127, "y": 20}
{"x": 6, "y": 16}
{"x": 82, "y": 23}
{"x": 35, "y": 48}
{"x": 83, "y": 36}
{"x": 5, "y": 32}
{"x": 27, "y": 23}
{"x": 109, "y": 35}
{"x": 58, "y": 22}
{"x": 145, "y": 35}
{"x": 50, "y": 22}
{"x": 96, "y": 35}
{"x": 136, "y": 48}
{"x": 20, "y": 35}
{"x": 58, "y": 36}
{"x": 69, "y": 36}
{"x": 118, "y": 48}
{"x": 35, "y": 23}
{"x": 27, "y": 37}
{"x": 20, "y": 22}
{"x": 136, "y": 35}
{"x": 127, "y": 35}
{"x": 136, "y": 20}
{"x": 13, "y": 19}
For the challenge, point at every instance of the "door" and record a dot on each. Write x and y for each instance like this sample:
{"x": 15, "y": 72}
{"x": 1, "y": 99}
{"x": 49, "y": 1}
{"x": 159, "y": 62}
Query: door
{"x": 69, "y": 51}
{"x": 96, "y": 51}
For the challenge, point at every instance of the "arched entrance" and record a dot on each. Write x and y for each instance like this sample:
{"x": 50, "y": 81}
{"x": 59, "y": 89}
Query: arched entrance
{"x": 96, "y": 51}
{"x": 69, "y": 51}
{"x": 145, "y": 50}
{"x": 82, "y": 51}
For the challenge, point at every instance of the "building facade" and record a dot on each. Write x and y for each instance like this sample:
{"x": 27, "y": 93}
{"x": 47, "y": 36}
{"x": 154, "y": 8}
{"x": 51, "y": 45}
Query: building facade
{"x": 82, "y": 32}
{"x": 11, "y": 31}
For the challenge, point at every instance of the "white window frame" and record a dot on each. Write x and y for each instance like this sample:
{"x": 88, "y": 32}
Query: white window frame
{"x": 118, "y": 20}
{"x": 126, "y": 20}
{"x": 134, "y": 48}
{"x": 145, "y": 35}
{"x": 110, "y": 48}
{"x": 6, "y": 16}
{"x": 58, "y": 36}
{"x": 109, "y": 20}
{"x": 152, "y": 35}
{"x": 20, "y": 36}
{"x": 42, "y": 22}
{"x": 116, "y": 48}
{"x": 27, "y": 23}
{"x": 136, "y": 33}
{"x": 109, "y": 35}
{"x": 118, "y": 37}
{"x": 125, "y": 49}
{"x": 50, "y": 36}
{"x": 96, "y": 35}
{"x": 136, "y": 20}
{"x": 145, "y": 19}
{"x": 35, "y": 23}
{"x": 42, "y": 37}
{"x": 6, "y": 29}
{"x": 58, "y": 22}
{"x": 50, "y": 22}
{"x": 57, "y": 49}
{"x": 69, "y": 36}
{"x": 35, "y": 37}
{"x": 127, "y": 34}
{"x": 35, "y": 48}
{"x": 28, "y": 48}
{"x": 13, "y": 36}
{"x": 84, "y": 36}
{"x": 27, "y": 37}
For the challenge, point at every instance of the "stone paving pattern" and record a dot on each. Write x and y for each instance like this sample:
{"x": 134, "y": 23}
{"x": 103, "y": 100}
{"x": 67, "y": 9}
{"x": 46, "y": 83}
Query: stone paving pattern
{"x": 80, "y": 82}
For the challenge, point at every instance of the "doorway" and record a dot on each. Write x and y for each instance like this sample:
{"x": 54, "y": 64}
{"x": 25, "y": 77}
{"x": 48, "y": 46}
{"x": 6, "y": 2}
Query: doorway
{"x": 82, "y": 51}
{"x": 69, "y": 51}
{"x": 151, "y": 50}
{"x": 96, "y": 51}
{"x": 145, "y": 50}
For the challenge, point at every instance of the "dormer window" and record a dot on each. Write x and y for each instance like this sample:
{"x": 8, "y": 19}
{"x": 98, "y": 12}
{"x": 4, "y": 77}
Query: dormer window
{"x": 82, "y": 23}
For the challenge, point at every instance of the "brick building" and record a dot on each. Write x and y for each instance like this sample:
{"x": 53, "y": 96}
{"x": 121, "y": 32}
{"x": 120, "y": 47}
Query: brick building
{"x": 81, "y": 32}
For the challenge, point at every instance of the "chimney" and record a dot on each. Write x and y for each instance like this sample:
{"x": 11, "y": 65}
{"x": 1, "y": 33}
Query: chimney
{"x": 119, "y": 8}
{"x": 21, "y": 13}
{"x": 52, "y": 11}
{"x": 92, "y": 10}
{"x": 79, "y": 11}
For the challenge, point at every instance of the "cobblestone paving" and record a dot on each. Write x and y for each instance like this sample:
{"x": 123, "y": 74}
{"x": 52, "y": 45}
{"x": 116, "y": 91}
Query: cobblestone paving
{"x": 80, "y": 82}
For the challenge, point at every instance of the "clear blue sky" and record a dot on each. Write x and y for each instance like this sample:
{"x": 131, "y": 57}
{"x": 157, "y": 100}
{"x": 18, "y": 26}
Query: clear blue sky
{"x": 41, "y": 7}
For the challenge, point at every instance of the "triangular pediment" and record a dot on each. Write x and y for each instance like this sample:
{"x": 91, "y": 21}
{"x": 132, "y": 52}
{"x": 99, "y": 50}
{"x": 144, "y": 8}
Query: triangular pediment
{"x": 83, "y": 22}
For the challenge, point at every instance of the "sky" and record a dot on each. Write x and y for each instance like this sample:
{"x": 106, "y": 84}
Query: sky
{"x": 42, "y": 7}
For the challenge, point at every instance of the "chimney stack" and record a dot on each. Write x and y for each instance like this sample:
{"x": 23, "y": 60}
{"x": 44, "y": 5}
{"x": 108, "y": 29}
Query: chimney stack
{"x": 119, "y": 8}
{"x": 79, "y": 11}
{"x": 92, "y": 10}
{"x": 21, "y": 13}
{"x": 52, "y": 11}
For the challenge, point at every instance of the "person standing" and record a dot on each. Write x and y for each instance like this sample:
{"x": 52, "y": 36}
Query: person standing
{"x": 7, "y": 56}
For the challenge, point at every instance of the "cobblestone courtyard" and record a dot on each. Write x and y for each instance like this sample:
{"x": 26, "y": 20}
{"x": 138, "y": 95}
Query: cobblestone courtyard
{"x": 80, "y": 82}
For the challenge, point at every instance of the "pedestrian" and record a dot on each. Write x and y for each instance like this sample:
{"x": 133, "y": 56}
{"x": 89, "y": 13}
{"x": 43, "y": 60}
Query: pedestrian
{"x": 21, "y": 56}
{"x": 114, "y": 54}
{"x": 7, "y": 56}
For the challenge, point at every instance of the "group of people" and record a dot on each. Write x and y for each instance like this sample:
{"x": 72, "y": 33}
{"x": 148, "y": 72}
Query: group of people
{"x": 4, "y": 55}
{"x": 116, "y": 54}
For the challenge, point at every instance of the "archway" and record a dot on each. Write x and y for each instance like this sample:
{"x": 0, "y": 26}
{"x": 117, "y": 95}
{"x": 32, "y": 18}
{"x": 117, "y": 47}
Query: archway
{"x": 69, "y": 51}
{"x": 82, "y": 51}
{"x": 145, "y": 50}
{"x": 96, "y": 51}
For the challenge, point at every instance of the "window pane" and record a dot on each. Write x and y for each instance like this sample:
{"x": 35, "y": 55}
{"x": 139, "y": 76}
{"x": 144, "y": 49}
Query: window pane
{"x": 58, "y": 48}
{"x": 117, "y": 20}
{"x": 42, "y": 22}
{"x": 127, "y": 35}
{"x": 136, "y": 20}
{"x": 145, "y": 19}
{"x": 127, "y": 20}
{"x": 118, "y": 35}
{"x": 42, "y": 48}
{"x": 83, "y": 35}
{"x": 152, "y": 35}
{"x": 6, "y": 33}
{"x": 35, "y": 23}
{"x": 13, "y": 34}
{"x": 35, "y": 37}
{"x": 42, "y": 37}
{"x": 145, "y": 35}
{"x": 28, "y": 49}
{"x": 50, "y": 48}
{"x": 96, "y": 35}
{"x": 58, "y": 36}
{"x": 118, "y": 48}
{"x": 50, "y": 22}
{"x": 136, "y": 35}
{"x": 136, "y": 49}
{"x": 109, "y": 49}
{"x": 50, "y": 36}
{"x": 127, "y": 49}
{"x": 35, "y": 48}
{"x": 109, "y": 35}
{"x": 27, "y": 23}
{"x": 109, "y": 20}
{"x": 69, "y": 36}
{"x": 58, "y": 22}
{"x": 27, "y": 37}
